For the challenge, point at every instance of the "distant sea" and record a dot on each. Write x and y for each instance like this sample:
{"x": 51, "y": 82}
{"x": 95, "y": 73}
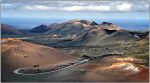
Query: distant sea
{"x": 24, "y": 23}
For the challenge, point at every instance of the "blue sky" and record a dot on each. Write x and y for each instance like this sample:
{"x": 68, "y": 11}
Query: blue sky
{"x": 132, "y": 15}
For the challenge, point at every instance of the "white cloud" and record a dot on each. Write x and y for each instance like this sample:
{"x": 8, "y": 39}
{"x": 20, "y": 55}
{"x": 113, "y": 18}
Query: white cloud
{"x": 124, "y": 7}
{"x": 7, "y": 5}
{"x": 71, "y": 8}
{"x": 87, "y": 8}
{"x": 36, "y": 7}
{"x": 75, "y": 6}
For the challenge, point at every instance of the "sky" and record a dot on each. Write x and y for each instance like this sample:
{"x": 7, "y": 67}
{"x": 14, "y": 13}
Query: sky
{"x": 130, "y": 15}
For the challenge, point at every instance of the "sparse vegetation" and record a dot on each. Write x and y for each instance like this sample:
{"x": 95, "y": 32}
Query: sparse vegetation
{"x": 140, "y": 50}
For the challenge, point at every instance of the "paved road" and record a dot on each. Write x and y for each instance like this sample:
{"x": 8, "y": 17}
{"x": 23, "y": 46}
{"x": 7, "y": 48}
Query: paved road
{"x": 83, "y": 61}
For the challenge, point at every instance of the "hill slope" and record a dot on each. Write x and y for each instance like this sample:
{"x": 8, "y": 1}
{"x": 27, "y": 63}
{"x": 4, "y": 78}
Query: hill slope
{"x": 84, "y": 32}
{"x": 40, "y": 29}
{"x": 9, "y": 30}
{"x": 17, "y": 54}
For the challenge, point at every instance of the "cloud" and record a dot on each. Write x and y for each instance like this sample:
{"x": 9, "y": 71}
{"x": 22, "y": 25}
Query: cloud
{"x": 36, "y": 7}
{"x": 124, "y": 7}
{"x": 87, "y": 8}
{"x": 7, "y": 5}
{"x": 76, "y": 6}
{"x": 71, "y": 8}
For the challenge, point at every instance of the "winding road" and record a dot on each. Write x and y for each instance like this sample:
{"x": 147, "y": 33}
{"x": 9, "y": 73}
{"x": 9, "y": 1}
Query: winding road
{"x": 80, "y": 62}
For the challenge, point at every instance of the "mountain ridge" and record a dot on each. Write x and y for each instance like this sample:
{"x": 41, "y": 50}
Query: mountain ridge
{"x": 9, "y": 30}
{"x": 81, "y": 32}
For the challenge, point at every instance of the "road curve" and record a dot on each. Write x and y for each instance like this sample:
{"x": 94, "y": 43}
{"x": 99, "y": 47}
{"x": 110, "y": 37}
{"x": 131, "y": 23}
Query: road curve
{"x": 17, "y": 70}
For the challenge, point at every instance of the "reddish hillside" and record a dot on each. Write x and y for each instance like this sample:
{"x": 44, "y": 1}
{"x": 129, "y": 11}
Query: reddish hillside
{"x": 107, "y": 69}
{"x": 17, "y": 53}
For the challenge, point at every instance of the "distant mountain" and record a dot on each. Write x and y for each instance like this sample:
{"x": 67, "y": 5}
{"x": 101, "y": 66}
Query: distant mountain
{"x": 84, "y": 32}
{"x": 109, "y": 26}
{"x": 73, "y": 27}
{"x": 44, "y": 28}
{"x": 40, "y": 29}
{"x": 53, "y": 25}
{"x": 85, "y": 22}
{"x": 9, "y": 30}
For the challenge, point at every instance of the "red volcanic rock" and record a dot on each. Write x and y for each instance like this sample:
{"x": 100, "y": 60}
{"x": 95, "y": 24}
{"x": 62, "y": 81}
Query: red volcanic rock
{"x": 17, "y": 53}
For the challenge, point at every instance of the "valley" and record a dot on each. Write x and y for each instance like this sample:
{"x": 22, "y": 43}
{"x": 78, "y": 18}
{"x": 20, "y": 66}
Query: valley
{"x": 76, "y": 50}
{"x": 60, "y": 41}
